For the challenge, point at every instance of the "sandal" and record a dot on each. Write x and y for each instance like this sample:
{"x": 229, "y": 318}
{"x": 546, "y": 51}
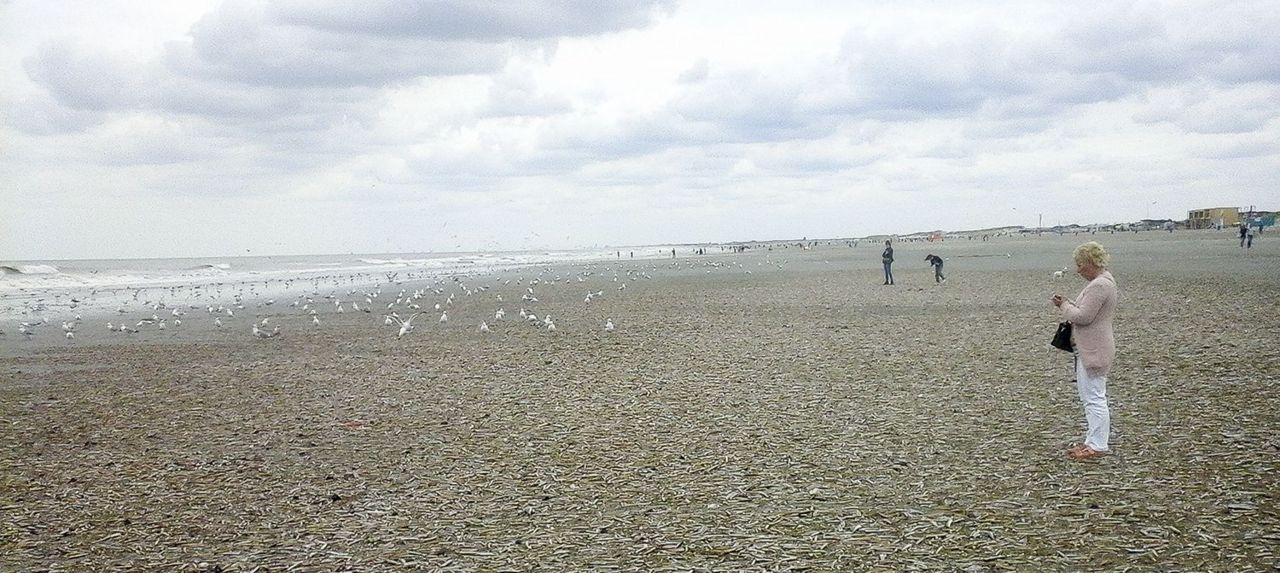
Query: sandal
{"x": 1084, "y": 453}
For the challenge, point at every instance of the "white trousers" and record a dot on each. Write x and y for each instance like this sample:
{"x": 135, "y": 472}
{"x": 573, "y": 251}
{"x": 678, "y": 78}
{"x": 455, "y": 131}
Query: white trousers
{"x": 1093, "y": 394}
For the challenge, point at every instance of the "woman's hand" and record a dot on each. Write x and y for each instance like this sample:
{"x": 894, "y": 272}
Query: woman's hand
{"x": 1058, "y": 300}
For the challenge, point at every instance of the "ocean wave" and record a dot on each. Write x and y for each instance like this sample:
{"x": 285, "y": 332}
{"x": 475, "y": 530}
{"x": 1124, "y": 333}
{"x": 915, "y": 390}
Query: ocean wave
{"x": 212, "y": 266}
{"x": 28, "y": 270}
{"x": 394, "y": 262}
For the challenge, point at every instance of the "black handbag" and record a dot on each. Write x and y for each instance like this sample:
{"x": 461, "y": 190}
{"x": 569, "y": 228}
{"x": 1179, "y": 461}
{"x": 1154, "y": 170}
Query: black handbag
{"x": 1062, "y": 338}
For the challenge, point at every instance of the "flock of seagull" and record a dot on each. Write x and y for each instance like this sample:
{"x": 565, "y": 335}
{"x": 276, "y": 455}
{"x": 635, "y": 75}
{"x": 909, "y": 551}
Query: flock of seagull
{"x": 398, "y": 311}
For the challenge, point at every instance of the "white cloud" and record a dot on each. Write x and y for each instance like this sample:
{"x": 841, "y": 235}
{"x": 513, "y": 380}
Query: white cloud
{"x": 534, "y": 124}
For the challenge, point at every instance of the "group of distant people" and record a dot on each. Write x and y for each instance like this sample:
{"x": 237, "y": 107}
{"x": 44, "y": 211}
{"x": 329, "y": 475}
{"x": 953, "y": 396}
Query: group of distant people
{"x": 1246, "y": 236}
{"x": 886, "y": 258}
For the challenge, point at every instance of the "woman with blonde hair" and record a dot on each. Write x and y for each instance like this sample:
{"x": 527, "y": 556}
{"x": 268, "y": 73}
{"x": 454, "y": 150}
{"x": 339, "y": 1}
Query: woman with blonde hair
{"x": 1091, "y": 314}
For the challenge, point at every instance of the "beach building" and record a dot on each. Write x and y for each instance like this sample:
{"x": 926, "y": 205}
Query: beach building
{"x": 1213, "y": 217}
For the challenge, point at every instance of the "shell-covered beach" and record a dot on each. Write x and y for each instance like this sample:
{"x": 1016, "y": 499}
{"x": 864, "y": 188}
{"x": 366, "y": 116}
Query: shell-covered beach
{"x": 773, "y": 410}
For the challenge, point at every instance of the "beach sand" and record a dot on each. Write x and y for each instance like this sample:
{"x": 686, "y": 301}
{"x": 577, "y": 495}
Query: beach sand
{"x": 771, "y": 410}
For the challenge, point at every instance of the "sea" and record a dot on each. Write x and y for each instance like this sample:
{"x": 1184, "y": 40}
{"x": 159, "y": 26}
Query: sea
{"x": 33, "y": 290}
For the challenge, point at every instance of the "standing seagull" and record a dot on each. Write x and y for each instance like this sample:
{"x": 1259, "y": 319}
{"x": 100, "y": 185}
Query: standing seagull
{"x": 608, "y": 325}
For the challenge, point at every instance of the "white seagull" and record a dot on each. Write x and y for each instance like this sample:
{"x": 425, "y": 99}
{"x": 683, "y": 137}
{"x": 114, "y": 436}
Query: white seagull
{"x": 406, "y": 326}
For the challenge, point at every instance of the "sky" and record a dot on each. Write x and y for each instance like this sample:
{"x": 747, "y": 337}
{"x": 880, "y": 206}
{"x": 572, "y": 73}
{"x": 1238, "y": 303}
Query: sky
{"x": 217, "y": 128}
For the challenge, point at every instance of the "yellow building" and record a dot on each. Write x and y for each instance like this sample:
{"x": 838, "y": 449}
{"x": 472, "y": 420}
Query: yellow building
{"x": 1206, "y": 218}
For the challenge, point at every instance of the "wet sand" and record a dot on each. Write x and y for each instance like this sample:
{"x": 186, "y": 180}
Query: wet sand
{"x": 771, "y": 410}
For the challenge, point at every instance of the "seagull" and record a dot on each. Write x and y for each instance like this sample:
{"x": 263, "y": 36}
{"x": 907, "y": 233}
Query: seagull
{"x": 217, "y": 322}
{"x": 406, "y": 326}
{"x": 315, "y": 320}
{"x": 70, "y": 335}
{"x": 484, "y": 327}
{"x": 444, "y": 317}
{"x": 608, "y": 325}
{"x": 498, "y": 315}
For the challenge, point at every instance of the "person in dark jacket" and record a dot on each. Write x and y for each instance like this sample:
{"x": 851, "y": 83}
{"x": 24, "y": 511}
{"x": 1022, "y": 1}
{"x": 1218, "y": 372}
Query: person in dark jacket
{"x": 936, "y": 261}
{"x": 887, "y": 258}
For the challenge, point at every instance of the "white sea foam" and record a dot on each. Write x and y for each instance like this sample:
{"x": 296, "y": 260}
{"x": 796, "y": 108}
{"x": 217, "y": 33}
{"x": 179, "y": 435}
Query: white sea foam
{"x": 28, "y": 270}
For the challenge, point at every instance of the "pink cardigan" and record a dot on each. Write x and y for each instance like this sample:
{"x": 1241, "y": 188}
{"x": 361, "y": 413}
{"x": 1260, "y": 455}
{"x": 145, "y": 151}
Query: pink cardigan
{"x": 1091, "y": 315}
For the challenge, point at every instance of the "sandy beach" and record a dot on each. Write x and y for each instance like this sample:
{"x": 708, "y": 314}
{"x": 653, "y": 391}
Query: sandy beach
{"x": 773, "y": 410}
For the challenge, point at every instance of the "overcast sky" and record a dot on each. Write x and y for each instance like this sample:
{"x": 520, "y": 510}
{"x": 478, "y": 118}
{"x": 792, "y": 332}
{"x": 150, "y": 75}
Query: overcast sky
{"x": 207, "y": 128}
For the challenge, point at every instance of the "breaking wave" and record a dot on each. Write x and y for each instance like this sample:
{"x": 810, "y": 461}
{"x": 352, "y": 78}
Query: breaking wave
{"x": 28, "y": 270}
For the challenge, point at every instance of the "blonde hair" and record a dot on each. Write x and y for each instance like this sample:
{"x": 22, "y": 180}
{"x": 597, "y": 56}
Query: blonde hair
{"x": 1093, "y": 253}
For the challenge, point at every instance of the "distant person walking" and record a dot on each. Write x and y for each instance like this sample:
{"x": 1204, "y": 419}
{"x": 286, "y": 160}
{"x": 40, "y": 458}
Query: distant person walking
{"x": 1248, "y": 244}
{"x": 1091, "y": 314}
{"x": 887, "y": 258}
{"x": 936, "y": 261}
{"x": 1244, "y": 232}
